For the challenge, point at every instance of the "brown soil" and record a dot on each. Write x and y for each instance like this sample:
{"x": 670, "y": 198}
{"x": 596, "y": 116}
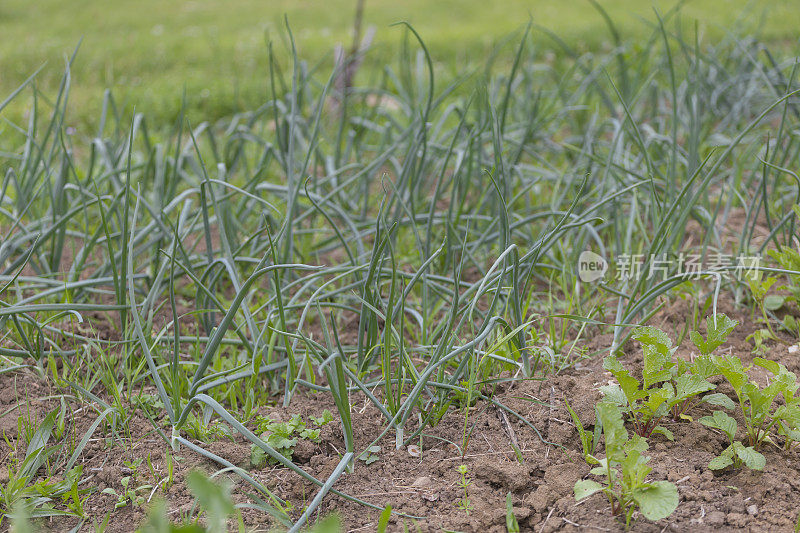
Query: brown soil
{"x": 424, "y": 489}
{"x": 541, "y": 484}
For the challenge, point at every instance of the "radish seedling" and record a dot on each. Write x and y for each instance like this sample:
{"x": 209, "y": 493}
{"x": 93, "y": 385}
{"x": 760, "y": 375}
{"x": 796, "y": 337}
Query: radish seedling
{"x": 736, "y": 453}
{"x": 757, "y": 403}
{"x": 625, "y": 470}
{"x": 666, "y": 385}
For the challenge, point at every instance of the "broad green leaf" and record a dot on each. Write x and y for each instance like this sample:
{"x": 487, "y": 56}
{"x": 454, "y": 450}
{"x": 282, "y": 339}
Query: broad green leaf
{"x": 258, "y": 457}
{"x": 760, "y": 401}
{"x": 790, "y": 433}
{"x": 657, "y": 348}
{"x": 636, "y": 443}
{"x": 689, "y": 385}
{"x": 731, "y": 367}
{"x": 585, "y": 488}
{"x": 700, "y": 342}
{"x": 635, "y": 469}
{"x": 681, "y": 367}
{"x": 749, "y": 456}
{"x": 720, "y": 400}
{"x": 703, "y": 366}
{"x": 656, "y": 500}
{"x": 721, "y": 325}
{"x": 653, "y": 337}
{"x": 783, "y": 382}
{"x": 789, "y": 414}
{"x": 773, "y": 302}
{"x": 723, "y": 460}
{"x": 598, "y": 470}
{"x": 658, "y": 398}
{"x": 664, "y": 431}
{"x": 717, "y": 333}
{"x": 614, "y": 394}
{"x": 630, "y": 386}
{"x": 614, "y": 429}
{"x": 326, "y": 417}
{"x": 773, "y": 366}
{"x": 721, "y": 421}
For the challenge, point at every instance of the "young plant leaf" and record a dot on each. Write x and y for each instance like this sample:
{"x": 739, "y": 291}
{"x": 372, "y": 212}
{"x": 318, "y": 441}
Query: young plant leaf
{"x": 657, "y": 348}
{"x": 717, "y": 333}
{"x": 718, "y": 399}
{"x": 749, "y": 456}
{"x": 585, "y": 488}
{"x": 722, "y": 421}
{"x": 723, "y": 460}
{"x": 657, "y": 500}
{"x": 383, "y": 520}
{"x": 512, "y": 526}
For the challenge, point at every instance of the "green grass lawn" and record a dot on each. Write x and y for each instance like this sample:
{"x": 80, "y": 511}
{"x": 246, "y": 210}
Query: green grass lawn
{"x": 148, "y": 51}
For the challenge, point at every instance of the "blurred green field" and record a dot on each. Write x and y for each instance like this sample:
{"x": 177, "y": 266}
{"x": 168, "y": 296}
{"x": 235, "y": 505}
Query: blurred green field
{"x": 148, "y": 51}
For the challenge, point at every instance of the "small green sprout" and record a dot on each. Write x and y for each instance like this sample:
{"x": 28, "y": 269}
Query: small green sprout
{"x": 464, "y": 482}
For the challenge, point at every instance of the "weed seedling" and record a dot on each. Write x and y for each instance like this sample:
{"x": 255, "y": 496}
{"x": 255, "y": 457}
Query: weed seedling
{"x": 789, "y": 259}
{"x": 512, "y": 525}
{"x": 130, "y": 495}
{"x": 170, "y": 470}
{"x": 464, "y": 482}
{"x": 283, "y": 436}
{"x": 369, "y": 455}
{"x": 759, "y": 289}
{"x": 588, "y": 440}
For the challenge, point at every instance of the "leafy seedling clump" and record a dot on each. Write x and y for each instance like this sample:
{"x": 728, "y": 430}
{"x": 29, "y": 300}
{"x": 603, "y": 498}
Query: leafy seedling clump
{"x": 624, "y": 471}
{"x": 667, "y": 386}
{"x": 283, "y": 436}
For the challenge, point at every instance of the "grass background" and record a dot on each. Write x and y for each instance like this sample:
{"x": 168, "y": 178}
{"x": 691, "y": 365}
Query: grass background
{"x": 148, "y": 51}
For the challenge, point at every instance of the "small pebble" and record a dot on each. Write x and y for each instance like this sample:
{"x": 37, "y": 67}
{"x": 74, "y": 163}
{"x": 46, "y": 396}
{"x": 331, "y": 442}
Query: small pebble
{"x": 752, "y": 510}
{"x": 422, "y": 481}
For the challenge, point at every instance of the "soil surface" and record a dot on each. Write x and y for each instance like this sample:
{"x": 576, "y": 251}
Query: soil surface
{"x": 421, "y": 482}
{"x": 541, "y": 478}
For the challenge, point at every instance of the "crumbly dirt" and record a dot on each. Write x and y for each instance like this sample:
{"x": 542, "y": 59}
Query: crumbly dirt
{"x": 541, "y": 481}
{"x": 423, "y": 488}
